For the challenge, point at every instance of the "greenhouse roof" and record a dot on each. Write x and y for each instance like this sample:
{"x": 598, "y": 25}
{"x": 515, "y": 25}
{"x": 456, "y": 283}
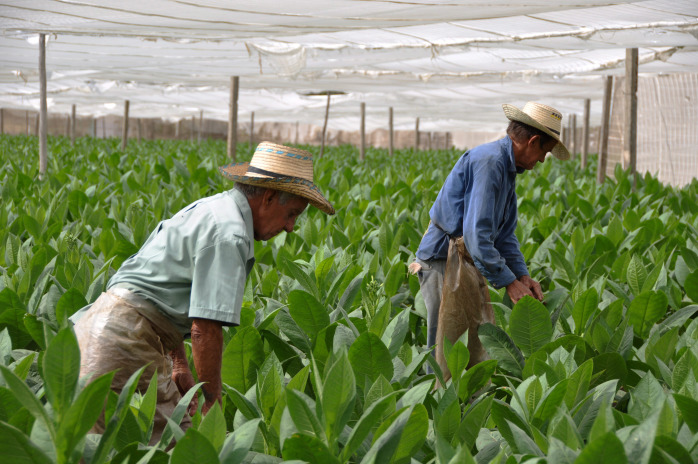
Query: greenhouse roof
{"x": 450, "y": 62}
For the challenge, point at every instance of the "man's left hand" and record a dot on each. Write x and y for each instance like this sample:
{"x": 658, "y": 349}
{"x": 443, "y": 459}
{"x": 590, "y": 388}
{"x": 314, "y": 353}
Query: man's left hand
{"x": 533, "y": 286}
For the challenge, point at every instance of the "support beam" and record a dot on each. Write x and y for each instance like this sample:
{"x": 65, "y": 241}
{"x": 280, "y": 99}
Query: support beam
{"x": 72, "y": 125}
{"x": 430, "y": 136}
{"x": 573, "y": 134}
{"x": 390, "y": 129}
{"x": 605, "y": 124}
{"x": 585, "y": 133}
{"x": 36, "y": 124}
{"x": 324, "y": 126}
{"x": 416, "y": 135}
{"x": 138, "y": 129}
{"x": 630, "y": 111}
{"x": 67, "y": 126}
{"x": 124, "y": 133}
{"x": 297, "y": 132}
{"x": 252, "y": 131}
{"x": 104, "y": 127}
{"x": 201, "y": 124}
{"x": 26, "y": 122}
{"x": 43, "y": 109}
{"x": 362, "y": 152}
{"x": 192, "y": 129}
{"x": 93, "y": 128}
{"x": 2, "y": 121}
{"x": 233, "y": 118}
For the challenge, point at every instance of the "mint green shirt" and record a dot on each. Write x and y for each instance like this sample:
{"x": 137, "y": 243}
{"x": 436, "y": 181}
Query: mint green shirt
{"x": 195, "y": 264}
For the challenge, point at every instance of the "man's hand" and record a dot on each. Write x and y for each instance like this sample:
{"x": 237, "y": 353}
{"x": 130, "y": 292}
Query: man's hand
{"x": 207, "y": 351}
{"x": 524, "y": 285}
{"x": 182, "y": 376}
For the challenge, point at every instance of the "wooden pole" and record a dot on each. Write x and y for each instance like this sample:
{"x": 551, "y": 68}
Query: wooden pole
{"x": 201, "y": 124}
{"x": 324, "y": 126}
{"x": 138, "y": 129}
{"x": 416, "y": 135}
{"x": 193, "y": 129}
{"x": 585, "y": 134}
{"x": 124, "y": 133}
{"x": 297, "y": 132}
{"x": 26, "y": 122}
{"x": 72, "y": 125}
{"x": 43, "y": 109}
{"x": 67, "y": 125}
{"x": 104, "y": 127}
{"x": 233, "y": 118}
{"x": 93, "y": 128}
{"x": 390, "y": 131}
{"x": 2, "y": 121}
{"x": 252, "y": 131}
{"x": 573, "y": 134}
{"x": 36, "y": 124}
{"x": 429, "y": 137}
{"x": 605, "y": 123}
{"x": 630, "y": 107}
{"x": 362, "y": 152}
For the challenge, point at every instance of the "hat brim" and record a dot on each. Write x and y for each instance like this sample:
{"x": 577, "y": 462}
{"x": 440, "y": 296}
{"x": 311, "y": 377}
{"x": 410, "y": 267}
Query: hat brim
{"x": 238, "y": 172}
{"x": 559, "y": 151}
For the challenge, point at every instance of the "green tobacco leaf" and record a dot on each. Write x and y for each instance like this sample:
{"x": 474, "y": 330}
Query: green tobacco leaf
{"x": 394, "y": 335}
{"x": 530, "y": 325}
{"x": 578, "y": 385}
{"x": 645, "y": 310}
{"x": 70, "y": 302}
{"x": 370, "y": 358}
{"x": 689, "y": 410}
{"x": 413, "y": 435}
{"x": 18, "y": 448}
{"x": 473, "y": 421}
{"x": 458, "y": 357}
{"x": 585, "y": 308}
{"x": 61, "y": 369}
{"x": 242, "y": 358}
{"x": 308, "y": 449}
{"x": 308, "y": 313}
{"x": 636, "y": 274}
{"x": 691, "y": 286}
{"x": 194, "y": 448}
{"x": 551, "y": 401}
{"x": 363, "y": 427}
{"x": 606, "y": 448}
{"x": 238, "y": 443}
{"x": 387, "y": 438}
{"x": 213, "y": 427}
{"x": 501, "y": 347}
{"x": 476, "y": 378}
{"x": 339, "y": 391}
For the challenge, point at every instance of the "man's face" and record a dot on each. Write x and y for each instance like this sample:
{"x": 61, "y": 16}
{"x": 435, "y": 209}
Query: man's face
{"x": 273, "y": 217}
{"x": 534, "y": 153}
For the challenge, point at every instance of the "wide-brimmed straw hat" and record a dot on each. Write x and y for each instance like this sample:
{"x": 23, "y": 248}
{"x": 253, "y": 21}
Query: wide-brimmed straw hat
{"x": 542, "y": 117}
{"x": 280, "y": 168}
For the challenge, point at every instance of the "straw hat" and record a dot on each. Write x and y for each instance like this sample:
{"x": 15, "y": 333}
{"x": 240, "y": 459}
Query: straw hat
{"x": 543, "y": 117}
{"x": 280, "y": 168}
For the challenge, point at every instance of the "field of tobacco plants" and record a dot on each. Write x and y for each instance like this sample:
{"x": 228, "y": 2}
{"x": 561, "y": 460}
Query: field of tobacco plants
{"x": 328, "y": 364}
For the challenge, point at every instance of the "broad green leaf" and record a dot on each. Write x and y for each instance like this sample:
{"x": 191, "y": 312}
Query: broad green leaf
{"x": 194, "y": 448}
{"x": 645, "y": 310}
{"x": 501, "y": 347}
{"x": 636, "y": 274}
{"x": 413, "y": 435}
{"x": 339, "y": 391}
{"x": 579, "y": 384}
{"x": 458, "y": 357}
{"x": 17, "y": 448}
{"x": 689, "y": 410}
{"x": 307, "y": 448}
{"x": 61, "y": 369}
{"x": 301, "y": 408}
{"x": 476, "y": 378}
{"x": 584, "y": 309}
{"x": 238, "y": 443}
{"x": 606, "y": 448}
{"x": 394, "y": 335}
{"x": 242, "y": 357}
{"x": 691, "y": 286}
{"x": 370, "y": 358}
{"x": 308, "y": 313}
{"x": 213, "y": 427}
{"x": 530, "y": 325}
{"x": 385, "y": 444}
{"x": 368, "y": 420}
{"x": 28, "y": 400}
{"x": 70, "y": 302}
{"x": 474, "y": 420}
{"x": 551, "y": 401}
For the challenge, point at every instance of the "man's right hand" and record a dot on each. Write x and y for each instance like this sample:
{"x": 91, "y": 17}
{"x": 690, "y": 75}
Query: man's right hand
{"x": 517, "y": 290}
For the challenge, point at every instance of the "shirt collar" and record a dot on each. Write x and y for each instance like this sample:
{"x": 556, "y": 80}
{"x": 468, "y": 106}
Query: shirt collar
{"x": 509, "y": 149}
{"x": 242, "y": 203}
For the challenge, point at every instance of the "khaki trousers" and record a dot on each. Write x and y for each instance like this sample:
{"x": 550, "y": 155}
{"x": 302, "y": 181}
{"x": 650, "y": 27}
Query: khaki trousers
{"x": 123, "y": 331}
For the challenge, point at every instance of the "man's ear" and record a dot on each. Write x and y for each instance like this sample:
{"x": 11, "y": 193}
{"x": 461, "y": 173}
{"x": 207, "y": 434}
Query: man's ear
{"x": 535, "y": 141}
{"x": 269, "y": 196}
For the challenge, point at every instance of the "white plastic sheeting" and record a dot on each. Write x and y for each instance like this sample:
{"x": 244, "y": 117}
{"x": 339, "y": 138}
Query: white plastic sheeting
{"x": 450, "y": 62}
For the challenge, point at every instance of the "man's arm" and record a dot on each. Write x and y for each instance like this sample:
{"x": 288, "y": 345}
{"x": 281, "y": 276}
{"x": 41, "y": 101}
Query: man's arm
{"x": 207, "y": 351}
{"x": 182, "y": 376}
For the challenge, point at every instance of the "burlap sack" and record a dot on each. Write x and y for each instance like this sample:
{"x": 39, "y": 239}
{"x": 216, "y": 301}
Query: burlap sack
{"x": 465, "y": 304}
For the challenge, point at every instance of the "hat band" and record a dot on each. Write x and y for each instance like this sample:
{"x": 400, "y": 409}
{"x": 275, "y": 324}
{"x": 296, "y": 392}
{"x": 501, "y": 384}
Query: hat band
{"x": 553, "y": 130}
{"x": 275, "y": 175}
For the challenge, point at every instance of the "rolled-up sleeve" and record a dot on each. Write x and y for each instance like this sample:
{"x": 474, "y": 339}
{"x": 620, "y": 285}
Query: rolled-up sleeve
{"x": 479, "y": 226}
{"x": 218, "y": 281}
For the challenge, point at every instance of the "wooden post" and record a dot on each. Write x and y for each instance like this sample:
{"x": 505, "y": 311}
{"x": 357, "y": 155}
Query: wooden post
{"x": 430, "y": 135}
{"x": 124, "y": 133}
{"x": 252, "y": 131}
{"x": 67, "y": 125}
{"x": 585, "y": 133}
{"x": 573, "y": 134}
{"x": 26, "y": 122}
{"x": 36, "y": 124}
{"x": 2, "y": 121}
{"x": 233, "y": 118}
{"x": 43, "y": 109}
{"x": 193, "y": 129}
{"x": 324, "y": 126}
{"x": 104, "y": 127}
{"x": 416, "y": 135}
{"x": 93, "y": 128}
{"x": 362, "y": 152}
{"x": 72, "y": 125}
{"x": 390, "y": 130}
{"x": 605, "y": 123}
{"x": 201, "y": 124}
{"x": 138, "y": 129}
{"x": 630, "y": 109}
{"x": 297, "y": 132}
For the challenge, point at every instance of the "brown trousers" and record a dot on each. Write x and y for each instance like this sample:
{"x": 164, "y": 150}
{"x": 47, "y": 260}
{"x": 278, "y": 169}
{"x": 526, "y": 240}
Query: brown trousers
{"x": 124, "y": 332}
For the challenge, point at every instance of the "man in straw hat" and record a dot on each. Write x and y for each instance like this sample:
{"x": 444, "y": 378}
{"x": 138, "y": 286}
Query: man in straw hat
{"x": 471, "y": 234}
{"x": 188, "y": 279}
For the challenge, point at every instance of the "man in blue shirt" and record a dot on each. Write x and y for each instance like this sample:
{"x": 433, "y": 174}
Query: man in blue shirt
{"x": 478, "y": 203}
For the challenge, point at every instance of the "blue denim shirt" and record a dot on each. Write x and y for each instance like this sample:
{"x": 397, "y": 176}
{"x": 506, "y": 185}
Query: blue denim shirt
{"x": 478, "y": 202}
